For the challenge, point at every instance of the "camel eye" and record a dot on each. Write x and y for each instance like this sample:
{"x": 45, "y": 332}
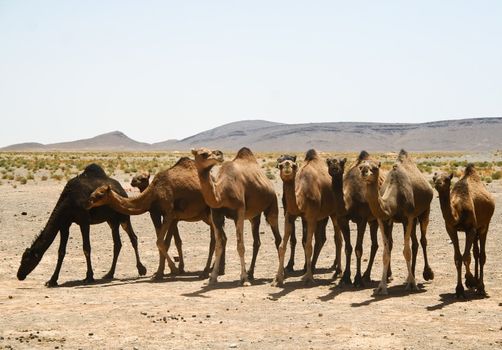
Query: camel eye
{"x": 205, "y": 154}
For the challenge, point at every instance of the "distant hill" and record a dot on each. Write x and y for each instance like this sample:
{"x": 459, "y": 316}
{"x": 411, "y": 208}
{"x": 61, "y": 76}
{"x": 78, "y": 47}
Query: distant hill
{"x": 479, "y": 134}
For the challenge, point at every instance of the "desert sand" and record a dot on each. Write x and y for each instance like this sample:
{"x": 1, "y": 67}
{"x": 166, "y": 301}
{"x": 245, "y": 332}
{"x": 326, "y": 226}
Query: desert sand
{"x": 181, "y": 312}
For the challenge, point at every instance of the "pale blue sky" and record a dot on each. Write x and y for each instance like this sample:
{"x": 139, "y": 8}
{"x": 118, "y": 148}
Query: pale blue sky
{"x": 169, "y": 69}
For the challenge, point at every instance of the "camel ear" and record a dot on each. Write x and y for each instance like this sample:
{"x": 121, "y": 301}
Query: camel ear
{"x": 451, "y": 176}
{"x": 108, "y": 188}
{"x": 147, "y": 175}
{"x": 294, "y": 158}
{"x": 344, "y": 160}
{"x": 194, "y": 151}
{"x": 379, "y": 164}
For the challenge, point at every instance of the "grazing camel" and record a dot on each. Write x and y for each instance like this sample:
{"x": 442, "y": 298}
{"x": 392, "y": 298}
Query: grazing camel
{"x": 240, "y": 191}
{"x": 351, "y": 205}
{"x": 141, "y": 182}
{"x": 468, "y": 207}
{"x": 315, "y": 200}
{"x": 174, "y": 194}
{"x": 71, "y": 208}
{"x": 288, "y": 170}
{"x": 405, "y": 197}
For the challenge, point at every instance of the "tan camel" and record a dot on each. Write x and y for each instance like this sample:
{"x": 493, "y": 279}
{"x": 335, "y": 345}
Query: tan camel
{"x": 469, "y": 208}
{"x": 141, "y": 181}
{"x": 240, "y": 191}
{"x": 405, "y": 197}
{"x": 288, "y": 170}
{"x": 351, "y": 205}
{"x": 315, "y": 200}
{"x": 174, "y": 194}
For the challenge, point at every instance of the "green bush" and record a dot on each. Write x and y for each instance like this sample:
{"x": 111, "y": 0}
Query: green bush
{"x": 497, "y": 175}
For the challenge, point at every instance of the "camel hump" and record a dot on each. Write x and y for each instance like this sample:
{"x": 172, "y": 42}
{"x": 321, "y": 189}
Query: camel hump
{"x": 185, "y": 162}
{"x": 470, "y": 169}
{"x": 363, "y": 156}
{"x": 94, "y": 170}
{"x": 311, "y": 155}
{"x": 245, "y": 153}
{"x": 403, "y": 155}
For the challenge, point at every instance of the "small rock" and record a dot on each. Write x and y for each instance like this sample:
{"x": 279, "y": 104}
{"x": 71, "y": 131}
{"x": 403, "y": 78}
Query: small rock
{"x": 24, "y": 213}
{"x": 91, "y": 334}
{"x": 232, "y": 346}
{"x": 10, "y": 297}
{"x": 320, "y": 314}
{"x": 208, "y": 316}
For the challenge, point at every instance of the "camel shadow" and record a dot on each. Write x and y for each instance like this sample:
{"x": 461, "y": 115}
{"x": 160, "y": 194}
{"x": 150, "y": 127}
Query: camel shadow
{"x": 451, "y": 298}
{"x": 341, "y": 288}
{"x": 290, "y": 287}
{"x": 224, "y": 285}
{"x": 396, "y": 291}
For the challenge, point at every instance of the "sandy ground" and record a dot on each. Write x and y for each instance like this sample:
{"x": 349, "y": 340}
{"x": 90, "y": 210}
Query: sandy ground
{"x": 180, "y": 312}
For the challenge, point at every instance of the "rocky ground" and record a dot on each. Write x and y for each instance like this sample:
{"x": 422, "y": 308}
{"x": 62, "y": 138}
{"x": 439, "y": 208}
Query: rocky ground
{"x": 181, "y": 312}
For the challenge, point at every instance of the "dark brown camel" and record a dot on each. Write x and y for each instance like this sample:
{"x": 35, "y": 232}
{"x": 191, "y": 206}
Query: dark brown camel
{"x": 71, "y": 207}
{"x": 468, "y": 207}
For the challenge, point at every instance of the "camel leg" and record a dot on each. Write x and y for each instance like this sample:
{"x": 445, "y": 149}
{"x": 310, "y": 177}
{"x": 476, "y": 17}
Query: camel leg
{"x": 411, "y": 284}
{"x": 162, "y": 232}
{"x": 84, "y": 229}
{"x": 374, "y": 248}
{"x": 428, "y": 274}
{"x": 218, "y": 221}
{"x": 475, "y": 251}
{"x": 239, "y": 231}
{"x": 65, "y": 232}
{"x": 320, "y": 239}
{"x": 126, "y": 225}
{"x": 470, "y": 236}
{"x": 117, "y": 245}
{"x": 386, "y": 231}
{"x": 414, "y": 245}
{"x": 344, "y": 226}
{"x": 174, "y": 232}
{"x": 337, "y": 264}
{"x": 459, "y": 290}
{"x": 311, "y": 229}
{"x": 289, "y": 224}
{"x": 361, "y": 228}
{"x": 272, "y": 217}
{"x": 255, "y": 229}
{"x": 289, "y": 230}
{"x": 212, "y": 242}
{"x": 482, "y": 259}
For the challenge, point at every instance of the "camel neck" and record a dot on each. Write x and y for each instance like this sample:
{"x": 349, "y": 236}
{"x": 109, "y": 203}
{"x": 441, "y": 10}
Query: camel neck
{"x": 337, "y": 187}
{"x": 208, "y": 188}
{"x": 375, "y": 201}
{"x": 288, "y": 191}
{"x": 445, "y": 204}
{"x": 51, "y": 229}
{"x": 131, "y": 206}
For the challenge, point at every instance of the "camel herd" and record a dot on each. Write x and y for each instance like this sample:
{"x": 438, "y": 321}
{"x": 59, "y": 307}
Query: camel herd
{"x": 319, "y": 190}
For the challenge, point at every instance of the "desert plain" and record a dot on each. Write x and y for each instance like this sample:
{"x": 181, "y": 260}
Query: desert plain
{"x": 182, "y": 312}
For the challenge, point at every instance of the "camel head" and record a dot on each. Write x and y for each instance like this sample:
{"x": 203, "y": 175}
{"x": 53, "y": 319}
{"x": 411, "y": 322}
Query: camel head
{"x": 206, "y": 158}
{"x": 287, "y": 167}
{"x": 336, "y": 166}
{"x": 141, "y": 181}
{"x": 442, "y": 181}
{"x": 370, "y": 171}
{"x": 99, "y": 197}
{"x": 30, "y": 259}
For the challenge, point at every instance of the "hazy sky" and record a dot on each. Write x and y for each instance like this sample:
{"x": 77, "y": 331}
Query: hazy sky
{"x": 169, "y": 69}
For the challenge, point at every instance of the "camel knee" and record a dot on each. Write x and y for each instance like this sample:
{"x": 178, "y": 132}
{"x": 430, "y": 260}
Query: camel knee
{"x": 482, "y": 258}
{"x": 359, "y": 252}
{"x": 348, "y": 249}
{"x": 423, "y": 241}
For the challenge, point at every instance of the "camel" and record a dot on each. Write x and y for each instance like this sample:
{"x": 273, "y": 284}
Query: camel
{"x": 240, "y": 191}
{"x": 141, "y": 182}
{"x": 351, "y": 205}
{"x": 288, "y": 170}
{"x": 71, "y": 208}
{"x": 404, "y": 197}
{"x": 468, "y": 207}
{"x": 315, "y": 200}
{"x": 174, "y": 195}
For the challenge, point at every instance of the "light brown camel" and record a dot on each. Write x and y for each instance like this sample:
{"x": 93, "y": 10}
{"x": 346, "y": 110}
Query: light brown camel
{"x": 469, "y": 208}
{"x": 174, "y": 195}
{"x": 141, "y": 181}
{"x": 288, "y": 169}
{"x": 351, "y": 205}
{"x": 240, "y": 191}
{"x": 315, "y": 200}
{"x": 405, "y": 197}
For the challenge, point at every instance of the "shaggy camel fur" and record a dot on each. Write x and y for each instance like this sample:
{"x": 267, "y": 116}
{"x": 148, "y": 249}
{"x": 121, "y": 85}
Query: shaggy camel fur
{"x": 405, "y": 197}
{"x": 71, "y": 208}
{"x": 351, "y": 205}
{"x": 288, "y": 170}
{"x": 240, "y": 191}
{"x": 469, "y": 208}
{"x": 315, "y": 200}
{"x": 174, "y": 194}
{"x": 141, "y": 182}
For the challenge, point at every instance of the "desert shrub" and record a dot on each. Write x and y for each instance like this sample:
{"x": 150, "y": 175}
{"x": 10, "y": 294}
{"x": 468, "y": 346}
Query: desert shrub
{"x": 57, "y": 177}
{"x": 497, "y": 175}
{"x": 44, "y": 178}
{"x": 30, "y": 176}
{"x": 269, "y": 174}
{"x": 21, "y": 179}
{"x": 487, "y": 179}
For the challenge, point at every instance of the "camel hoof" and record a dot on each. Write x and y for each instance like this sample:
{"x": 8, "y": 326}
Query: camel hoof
{"x": 141, "y": 270}
{"x": 428, "y": 274}
{"x": 181, "y": 269}
{"x": 157, "y": 276}
{"x": 250, "y": 276}
{"x": 289, "y": 268}
{"x": 346, "y": 279}
{"x": 89, "y": 279}
{"x": 51, "y": 283}
{"x": 411, "y": 286}
{"x": 211, "y": 281}
{"x": 277, "y": 282}
{"x": 367, "y": 278}
{"x": 358, "y": 281}
{"x": 337, "y": 273}
{"x": 108, "y": 276}
{"x": 245, "y": 283}
{"x": 480, "y": 290}
{"x": 175, "y": 271}
{"x": 470, "y": 282}
{"x": 308, "y": 279}
{"x": 205, "y": 273}
{"x": 381, "y": 290}
{"x": 459, "y": 292}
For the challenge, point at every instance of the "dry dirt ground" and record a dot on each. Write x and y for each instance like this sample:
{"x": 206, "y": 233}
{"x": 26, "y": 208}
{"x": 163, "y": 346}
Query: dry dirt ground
{"x": 181, "y": 312}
